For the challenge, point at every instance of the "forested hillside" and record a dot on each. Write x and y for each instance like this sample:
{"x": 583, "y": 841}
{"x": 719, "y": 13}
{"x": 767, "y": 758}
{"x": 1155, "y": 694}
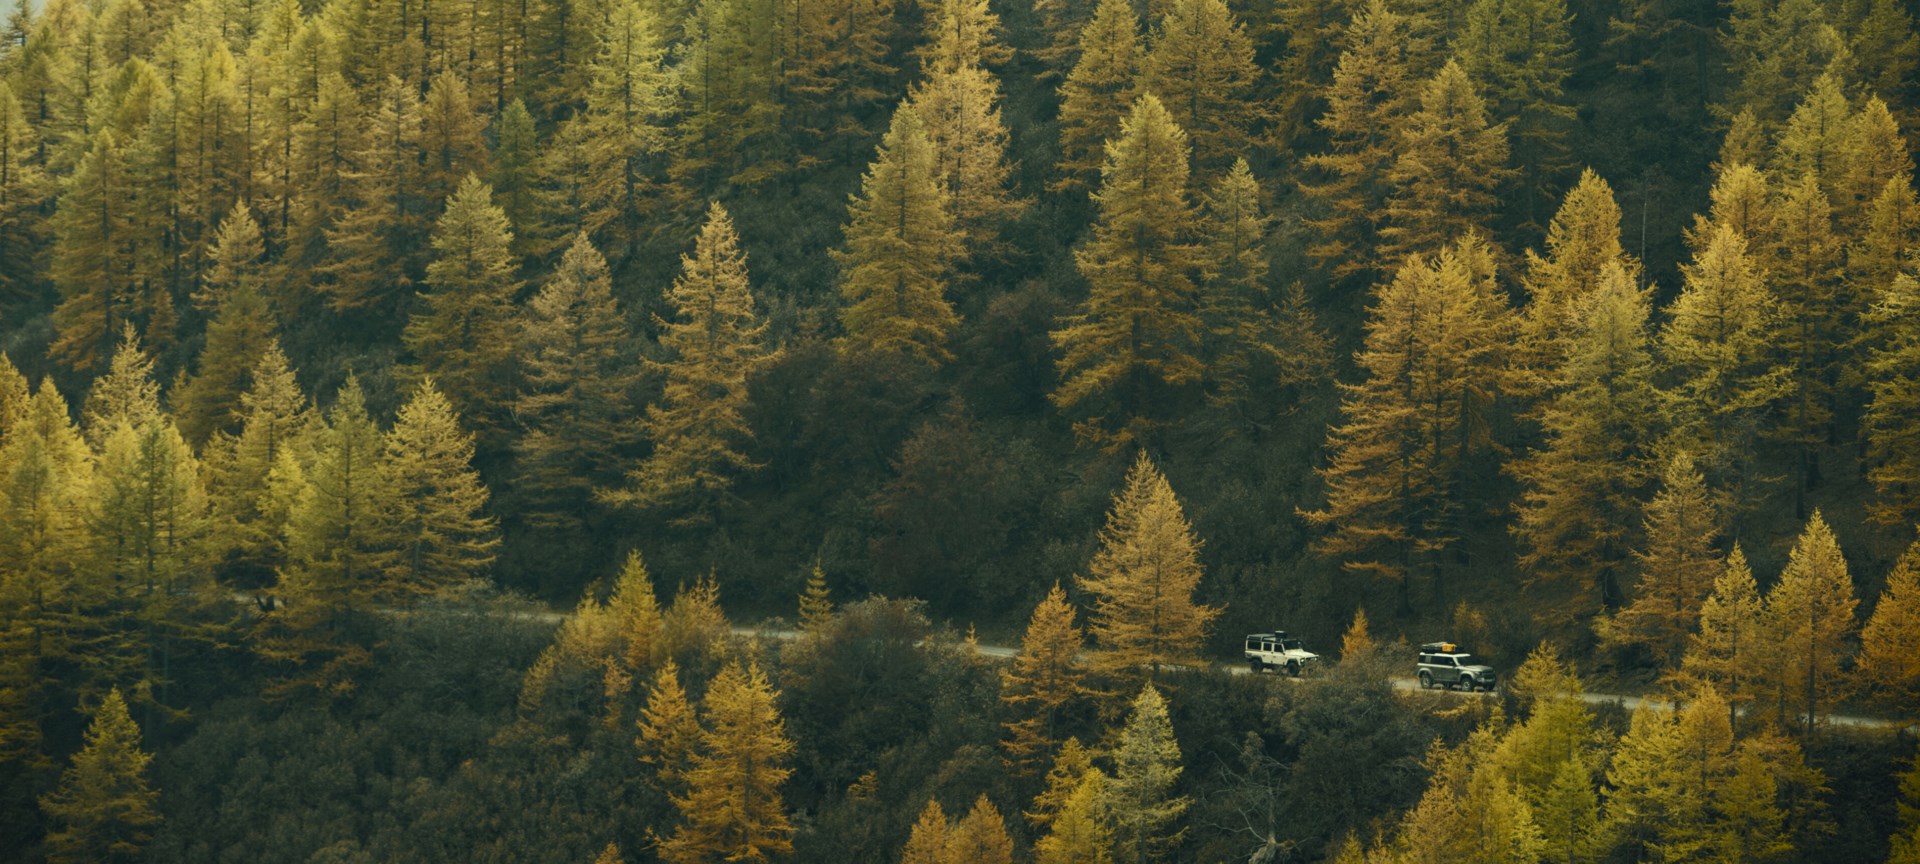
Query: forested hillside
{"x": 341, "y": 341}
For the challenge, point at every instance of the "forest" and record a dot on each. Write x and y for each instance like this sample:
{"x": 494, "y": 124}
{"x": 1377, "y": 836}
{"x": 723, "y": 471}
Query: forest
{"x": 617, "y": 431}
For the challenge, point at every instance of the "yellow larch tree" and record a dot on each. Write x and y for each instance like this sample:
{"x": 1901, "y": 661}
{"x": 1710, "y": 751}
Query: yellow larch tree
{"x": 1132, "y": 344}
{"x": 1676, "y": 563}
{"x": 1437, "y": 337}
{"x": 1201, "y": 66}
{"x": 462, "y": 336}
{"x": 1724, "y": 651}
{"x": 927, "y": 842}
{"x": 980, "y": 837}
{"x": 669, "y": 732}
{"x": 1889, "y": 662}
{"x": 961, "y": 110}
{"x": 1142, "y": 581}
{"x": 1044, "y": 677}
{"x": 1079, "y": 833}
{"x": 1893, "y": 380}
{"x": 900, "y": 246}
{"x": 1096, "y": 95}
{"x": 1140, "y": 800}
{"x": 438, "y": 523}
{"x": 714, "y": 341}
{"x": 1807, "y": 630}
{"x": 732, "y": 810}
{"x": 1450, "y": 161}
{"x": 103, "y": 806}
{"x": 1583, "y": 238}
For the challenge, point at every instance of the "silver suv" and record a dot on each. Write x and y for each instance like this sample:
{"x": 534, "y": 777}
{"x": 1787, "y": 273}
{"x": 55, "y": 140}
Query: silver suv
{"x": 1445, "y": 665}
{"x": 1277, "y": 650}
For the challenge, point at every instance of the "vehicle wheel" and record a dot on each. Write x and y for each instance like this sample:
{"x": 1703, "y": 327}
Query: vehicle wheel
{"x": 1254, "y": 665}
{"x": 1293, "y": 668}
{"x": 1426, "y": 680}
{"x": 1468, "y": 685}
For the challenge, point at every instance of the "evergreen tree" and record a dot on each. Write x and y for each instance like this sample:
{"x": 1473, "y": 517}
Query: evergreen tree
{"x": 1436, "y": 340}
{"x": 1717, "y": 348}
{"x": 149, "y": 514}
{"x": 962, "y": 33}
{"x": 1815, "y": 138}
{"x": 1140, "y": 799}
{"x": 1887, "y": 49}
{"x": 1807, "y": 626}
{"x": 1522, "y": 52}
{"x": 576, "y": 393}
{"x": 441, "y": 535}
{"x": 515, "y": 175}
{"x": 816, "y": 603}
{"x": 1131, "y": 346}
{"x": 104, "y": 806}
{"x": 636, "y": 615}
{"x": 1095, "y": 96}
{"x": 1583, "y": 486}
{"x": 1043, "y": 680}
{"x": 1142, "y": 580}
{"x": 900, "y": 243}
{"x": 1873, "y": 156}
{"x": 732, "y": 809}
{"x": 126, "y": 395}
{"x": 1373, "y": 90}
{"x": 237, "y": 337}
{"x": 1677, "y": 566}
{"x": 1070, "y": 766}
{"x": 23, "y": 186}
{"x": 1201, "y": 66}
{"x": 1449, "y": 162}
{"x": 1743, "y": 201}
{"x": 729, "y": 77}
{"x": 711, "y": 347}
{"x": 462, "y": 337}
{"x": 1889, "y": 660}
{"x": 1772, "y": 48}
{"x": 837, "y": 69}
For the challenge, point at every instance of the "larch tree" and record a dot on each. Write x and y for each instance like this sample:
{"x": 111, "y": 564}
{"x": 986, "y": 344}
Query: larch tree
{"x": 669, "y": 731}
{"x": 1142, "y": 580}
{"x": 962, "y": 33}
{"x": 452, "y": 138}
{"x": 1807, "y": 267}
{"x": 1043, "y": 679}
{"x": 1889, "y": 662}
{"x": 1773, "y": 48}
{"x": 94, "y": 256}
{"x": 1450, "y": 162}
{"x": 1742, "y": 199}
{"x": 927, "y": 841}
{"x": 1892, "y": 228}
{"x": 247, "y": 532}
{"x": 836, "y": 71}
{"x": 1070, "y": 765}
{"x": 127, "y": 394}
{"x": 462, "y": 336}
{"x": 1724, "y": 651}
{"x": 24, "y": 186}
{"x": 1808, "y": 626}
{"x": 712, "y": 345}
{"x": 635, "y": 613}
{"x": 1583, "y": 485}
{"x": 1522, "y": 52}
{"x": 980, "y": 837}
{"x": 1676, "y": 563}
{"x": 1814, "y": 140}
{"x": 816, "y": 603}
{"x": 339, "y": 550}
{"x": 1583, "y": 238}
{"x": 1436, "y": 340}
{"x": 514, "y": 174}
{"x": 237, "y": 337}
{"x": 576, "y": 390}
{"x": 1235, "y": 305}
{"x": 732, "y": 810}
{"x": 1717, "y": 350}
{"x": 374, "y": 243}
{"x": 1873, "y": 153}
{"x": 960, "y": 107}
{"x": 1096, "y": 95}
{"x": 899, "y": 248}
{"x": 729, "y": 127}
{"x": 1079, "y": 832}
{"x": 1374, "y": 87}
{"x": 1132, "y": 344}
{"x": 441, "y": 532}
{"x": 609, "y": 144}
{"x": 105, "y": 809}
{"x": 149, "y": 517}
{"x": 1146, "y": 763}
{"x": 1893, "y": 380}
{"x": 1201, "y": 66}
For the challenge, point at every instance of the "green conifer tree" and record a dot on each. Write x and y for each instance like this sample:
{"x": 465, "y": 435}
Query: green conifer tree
{"x": 104, "y": 807}
{"x": 900, "y": 243}
{"x": 462, "y": 336}
{"x": 441, "y": 534}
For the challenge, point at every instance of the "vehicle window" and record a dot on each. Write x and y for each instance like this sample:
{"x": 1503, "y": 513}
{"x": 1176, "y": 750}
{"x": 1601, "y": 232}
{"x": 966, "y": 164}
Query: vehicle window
{"x": 1290, "y": 645}
{"x": 1468, "y": 660}
{"x": 1453, "y": 661}
{"x": 1426, "y": 658}
{"x": 1252, "y": 645}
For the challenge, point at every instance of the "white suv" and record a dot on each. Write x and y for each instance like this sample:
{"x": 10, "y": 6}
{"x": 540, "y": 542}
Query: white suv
{"x": 1444, "y": 664}
{"x": 1277, "y": 650}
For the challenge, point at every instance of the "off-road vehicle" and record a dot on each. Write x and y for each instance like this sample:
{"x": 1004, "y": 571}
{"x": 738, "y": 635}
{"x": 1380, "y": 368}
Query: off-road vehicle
{"x": 1443, "y": 664}
{"x": 1277, "y": 650}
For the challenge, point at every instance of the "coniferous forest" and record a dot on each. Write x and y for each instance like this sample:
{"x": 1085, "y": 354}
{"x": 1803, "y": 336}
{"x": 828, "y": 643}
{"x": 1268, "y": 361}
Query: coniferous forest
{"x": 602, "y": 431}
